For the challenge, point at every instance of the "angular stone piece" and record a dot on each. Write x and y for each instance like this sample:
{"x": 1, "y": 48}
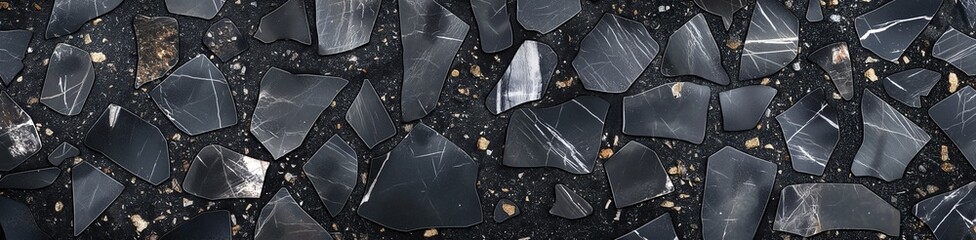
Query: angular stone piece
{"x": 431, "y": 36}
{"x": 546, "y": 15}
{"x": 18, "y": 219}
{"x": 18, "y": 134}
{"x": 205, "y": 9}
{"x": 910, "y": 85}
{"x": 67, "y": 16}
{"x": 950, "y": 215}
{"x": 333, "y": 171}
{"x": 968, "y": 8}
{"x": 225, "y": 40}
{"x": 954, "y": 115}
{"x": 156, "y": 39}
{"x": 673, "y": 110}
{"x": 957, "y": 49}
{"x": 92, "y": 192}
{"x": 136, "y": 145}
{"x": 888, "y": 30}
{"x": 811, "y": 132}
{"x": 811, "y": 208}
{"x": 369, "y": 117}
{"x": 659, "y": 228}
{"x": 504, "y": 210}
{"x": 890, "y": 140}
{"x": 743, "y": 107}
{"x": 526, "y": 78}
{"x": 220, "y": 173}
{"x": 569, "y": 205}
{"x": 13, "y": 45}
{"x": 494, "y": 26}
{"x": 196, "y": 97}
{"x": 836, "y": 61}
{"x": 636, "y": 175}
{"x": 208, "y": 225}
{"x": 814, "y": 11}
{"x": 64, "y": 151}
{"x": 69, "y": 79}
{"x": 737, "y": 188}
{"x": 723, "y": 8}
{"x": 288, "y": 106}
{"x": 343, "y": 25}
{"x": 614, "y": 54}
{"x": 772, "y": 41}
{"x": 30, "y": 179}
{"x": 565, "y": 136}
{"x": 289, "y": 21}
{"x": 425, "y": 182}
{"x": 692, "y": 50}
{"x": 283, "y": 218}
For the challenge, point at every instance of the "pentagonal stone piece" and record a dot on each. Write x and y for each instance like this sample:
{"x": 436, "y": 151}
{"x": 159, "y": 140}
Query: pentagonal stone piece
{"x": 614, "y": 54}
{"x": 289, "y": 21}
{"x": 636, "y": 175}
{"x": 343, "y": 25}
{"x": 546, "y": 15}
{"x": 13, "y": 44}
{"x": 673, "y": 110}
{"x": 369, "y": 117}
{"x": 67, "y": 16}
{"x": 156, "y": 40}
{"x": 888, "y": 30}
{"x": 743, "y": 107}
{"x": 431, "y": 36}
{"x": 811, "y": 132}
{"x": 69, "y": 80}
{"x": 526, "y": 78}
{"x": 225, "y": 40}
{"x": 92, "y": 192}
{"x": 772, "y": 41}
{"x": 737, "y": 188}
{"x": 18, "y": 134}
{"x": 196, "y": 97}
{"x": 333, "y": 171}
{"x": 565, "y": 136}
{"x": 220, "y": 173}
{"x": 136, "y": 145}
{"x": 692, "y": 50}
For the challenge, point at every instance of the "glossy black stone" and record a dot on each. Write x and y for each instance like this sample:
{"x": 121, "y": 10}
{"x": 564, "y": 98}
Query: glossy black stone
{"x": 614, "y": 54}
{"x": 69, "y": 80}
{"x": 18, "y": 134}
{"x": 888, "y": 30}
{"x": 494, "y": 26}
{"x": 569, "y": 205}
{"x": 546, "y": 15}
{"x": 157, "y": 39}
{"x": 368, "y": 116}
{"x": 67, "y": 16}
{"x": 431, "y": 36}
{"x": 220, "y": 173}
{"x": 343, "y": 25}
{"x": 92, "y": 192}
{"x": 811, "y": 208}
{"x": 289, "y": 21}
{"x": 814, "y": 11}
{"x": 836, "y": 61}
{"x": 205, "y": 9}
{"x": 18, "y": 221}
{"x": 526, "y": 78}
{"x": 955, "y": 115}
{"x": 136, "y": 145}
{"x": 723, "y": 8}
{"x": 225, "y": 40}
{"x": 64, "y": 151}
{"x": 909, "y": 85}
{"x": 672, "y": 110}
{"x": 743, "y": 107}
{"x": 950, "y": 215}
{"x": 13, "y": 45}
{"x": 811, "y": 132}
{"x": 636, "y": 175}
{"x": 772, "y": 41}
{"x": 196, "y": 97}
{"x": 212, "y": 225}
{"x": 956, "y": 48}
{"x": 565, "y": 136}
{"x": 30, "y": 179}
{"x": 505, "y": 209}
{"x": 692, "y": 50}
{"x": 283, "y": 218}
{"x": 890, "y": 140}
{"x": 426, "y": 181}
{"x": 968, "y": 8}
{"x": 737, "y": 188}
{"x": 659, "y": 228}
{"x": 333, "y": 171}
{"x": 288, "y": 106}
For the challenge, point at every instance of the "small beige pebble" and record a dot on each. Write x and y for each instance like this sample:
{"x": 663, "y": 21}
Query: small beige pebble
{"x": 753, "y": 143}
{"x": 564, "y": 83}
{"x": 953, "y": 82}
{"x": 667, "y": 204}
{"x": 455, "y": 73}
{"x": 509, "y": 209}
{"x": 138, "y": 222}
{"x": 606, "y": 153}
{"x": 483, "y": 143}
{"x": 58, "y": 206}
{"x": 48, "y": 131}
{"x": 870, "y": 75}
{"x": 430, "y": 232}
{"x": 97, "y": 57}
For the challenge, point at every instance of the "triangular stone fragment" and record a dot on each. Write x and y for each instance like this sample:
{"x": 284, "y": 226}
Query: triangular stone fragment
{"x": 614, "y": 54}
{"x": 723, "y": 8}
{"x": 157, "y": 39}
{"x": 636, "y": 175}
{"x": 225, "y": 40}
{"x": 30, "y": 179}
{"x": 673, "y": 110}
{"x": 205, "y": 9}
{"x": 69, "y": 80}
{"x": 950, "y": 215}
{"x": 215, "y": 225}
{"x": 426, "y": 181}
{"x": 18, "y": 134}
{"x": 369, "y": 117}
{"x": 888, "y": 30}
{"x": 814, "y": 11}
{"x": 692, "y": 50}
{"x": 565, "y": 136}
{"x": 288, "y": 106}
{"x": 343, "y": 25}
{"x": 333, "y": 171}
{"x": 220, "y": 173}
{"x": 505, "y": 209}
{"x": 64, "y": 151}
{"x": 968, "y": 8}
{"x": 737, "y": 188}
{"x": 136, "y": 145}
{"x": 772, "y": 41}
{"x": 283, "y": 218}
{"x": 569, "y": 205}
{"x": 494, "y": 26}
{"x": 890, "y": 140}
{"x": 956, "y": 48}
{"x": 743, "y": 107}
{"x": 910, "y": 85}
{"x": 92, "y": 193}
{"x": 954, "y": 115}
{"x": 836, "y": 61}
{"x": 431, "y": 36}
{"x": 526, "y": 78}
{"x": 67, "y": 16}
{"x": 659, "y": 228}
{"x": 196, "y": 97}
{"x": 546, "y": 15}
{"x": 812, "y": 208}
{"x": 13, "y": 44}
{"x": 17, "y": 217}
{"x": 289, "y": 21}
{"x": 811, "y": 132}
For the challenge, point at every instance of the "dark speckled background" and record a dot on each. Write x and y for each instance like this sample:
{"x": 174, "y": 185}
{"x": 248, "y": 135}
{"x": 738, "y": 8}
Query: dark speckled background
{"x": 462, "y": 118}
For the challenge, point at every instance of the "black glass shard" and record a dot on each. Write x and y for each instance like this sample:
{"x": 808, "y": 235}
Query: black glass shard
{"x": 836, "y": 61}
{"x": 283, "y": 218}
{"x": 196, "y": 97}
{"x": 18, "y": 134}
{"x": 546, "y": 15}
{"x": 526, "y": 78}
{"x": 30, "y": 179}
{"x": 954, "y": 115}
{"x": 69, "y": 79}
{"x": 64, "y": 151}
{"x": 910, "y": 85}
{"x": 811, "y": 132}
{"x": 205, "y": 9}
{"x": 723, "y": 8}
{"x": 220, "y": 173}
{"x": 13, "y": 43}
{"x": 431, "y": 36}
{"x": 692, "y": 50}
{"x": 17, "y": 218}
{"x": 614, "y": 54}
{"x": 888, "y": 30}
{"x": 772, "y": 42}
{"x": 565, "y": 136}
{"x": 289, "y": 21}
{"x": 743, "y": 107}
{"x": 67, "y": 16}
{"x": 890, "y": 140}
{"x": 659, "y": 228}
{"x": 814, "y": 11}
{"x": 136, "y": 145}
{"x": 225, "y": 40}
{"x": 494, "y": 26}
{"x": 569, "y": 204}
{"x": 737, "y": 188}
{"x": 333, "y": 171}
{"x": 636, "y": 175}
{"x": 956, "y": 48}
{"x": 673, "y": 110}
{"x": 811, "y": 208}
{"x": 157, "y": 39}
{"x": 212, "y": 225}
{"x": 343, "y": 25}
{"x": 368, "y": 117}
{"x": 92, "y": 192}
{"x": 950, "y": 215}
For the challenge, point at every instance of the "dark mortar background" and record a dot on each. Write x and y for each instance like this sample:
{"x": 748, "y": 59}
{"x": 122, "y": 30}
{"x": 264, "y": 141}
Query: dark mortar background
{"x": 463, "y": 118}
